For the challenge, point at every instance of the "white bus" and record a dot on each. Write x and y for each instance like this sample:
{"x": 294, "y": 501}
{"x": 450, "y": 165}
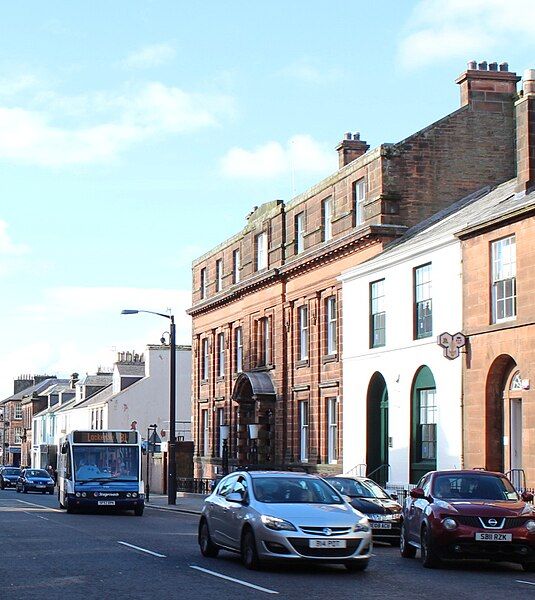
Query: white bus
{"x": 100, "y": 469}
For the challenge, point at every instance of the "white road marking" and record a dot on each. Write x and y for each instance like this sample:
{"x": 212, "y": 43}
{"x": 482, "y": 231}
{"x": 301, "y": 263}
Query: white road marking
{"x": 143, "y": 550}
{"x": 247, "y": 584}
{"x": 39, "y": 505}
{"x": 526, "y": 582}
{"x": 34, "y": 515}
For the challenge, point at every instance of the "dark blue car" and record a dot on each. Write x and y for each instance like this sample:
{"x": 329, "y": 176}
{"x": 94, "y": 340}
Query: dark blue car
{"x": 9, "y": 477}
{"x": 35, "y": 480}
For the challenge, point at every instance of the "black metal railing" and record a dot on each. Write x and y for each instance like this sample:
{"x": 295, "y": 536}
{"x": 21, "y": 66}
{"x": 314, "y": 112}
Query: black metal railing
{"x": 194, "y": 485}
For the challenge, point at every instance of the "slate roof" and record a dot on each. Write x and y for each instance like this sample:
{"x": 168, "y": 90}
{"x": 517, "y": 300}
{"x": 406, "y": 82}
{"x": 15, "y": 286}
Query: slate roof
{"x": 133, "y": 370}
{"x": 37, "y": 388}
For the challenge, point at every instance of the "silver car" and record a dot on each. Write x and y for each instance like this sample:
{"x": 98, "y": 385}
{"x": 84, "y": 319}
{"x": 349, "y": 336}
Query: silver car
{"x": 267, "y": 515}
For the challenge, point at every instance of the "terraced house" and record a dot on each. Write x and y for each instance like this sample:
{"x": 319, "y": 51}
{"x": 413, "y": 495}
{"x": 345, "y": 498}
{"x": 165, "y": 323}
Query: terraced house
{"x": 266, "y": 307}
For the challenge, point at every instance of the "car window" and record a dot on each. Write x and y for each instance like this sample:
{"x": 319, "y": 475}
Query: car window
{"x": 294, "y": 490}
{"x": 427, "y": 485}
{"x": 226, "y": 485}
{"x": 473, "y": 487}
{"x": 365, "y": 488}
{"x": 36, "y": 473}
{"x": 240, "y": 486}
{"x": 10, "y": 471}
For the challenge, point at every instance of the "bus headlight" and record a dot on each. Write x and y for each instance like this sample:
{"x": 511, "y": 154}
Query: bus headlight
{"x": 84, "y": 494}
{"x": 128, "y": 495}
{"x": 78, "y": 494}
{"x": 134, "y": 494}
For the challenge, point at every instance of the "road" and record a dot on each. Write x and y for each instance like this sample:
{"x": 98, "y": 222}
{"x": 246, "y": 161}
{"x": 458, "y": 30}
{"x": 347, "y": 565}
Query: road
{"x": 47, "y": 553}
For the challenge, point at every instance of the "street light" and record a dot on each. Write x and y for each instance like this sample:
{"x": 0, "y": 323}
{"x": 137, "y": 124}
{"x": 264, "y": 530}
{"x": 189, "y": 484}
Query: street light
{"x": 224, "y": 431}
{"x": 253, "y": 436}
{"x": 171, "y": 460}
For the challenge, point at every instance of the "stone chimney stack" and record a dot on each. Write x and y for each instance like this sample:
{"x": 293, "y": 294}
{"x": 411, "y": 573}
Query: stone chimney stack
{"x": 350, "y": 148}
{"x": 488, "y": 87}
{"x": 73, "y": 380}
{"x": 525, "y": 134}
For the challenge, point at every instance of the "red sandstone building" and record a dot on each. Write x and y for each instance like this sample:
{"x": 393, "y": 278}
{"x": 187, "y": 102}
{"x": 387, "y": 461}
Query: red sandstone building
{"x": 499, "y": 317}
{"x": 266, "y": 302}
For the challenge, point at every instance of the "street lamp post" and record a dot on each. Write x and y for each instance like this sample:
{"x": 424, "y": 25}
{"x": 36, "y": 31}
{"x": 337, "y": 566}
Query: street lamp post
{"x": 171, "y": 460}
{"x": 224, "y": 433}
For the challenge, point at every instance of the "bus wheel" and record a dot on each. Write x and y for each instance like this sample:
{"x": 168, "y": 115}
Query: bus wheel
{"x": 138, "y": 511}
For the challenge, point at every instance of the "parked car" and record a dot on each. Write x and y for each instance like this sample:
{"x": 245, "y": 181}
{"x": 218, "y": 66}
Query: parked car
{"x": 35, "y": 480}
{"x": 382, "y": 510}
{"x": 283, "y": 516}
{"x": 8, "y": 477}
{"x": 468, "y": 514}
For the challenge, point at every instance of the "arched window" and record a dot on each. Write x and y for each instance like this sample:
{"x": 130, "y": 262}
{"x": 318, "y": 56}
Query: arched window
{"x": 424, "y": 425}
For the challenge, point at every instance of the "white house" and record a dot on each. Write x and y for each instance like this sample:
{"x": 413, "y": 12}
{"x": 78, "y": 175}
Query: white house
{"x": 402, "y": 397}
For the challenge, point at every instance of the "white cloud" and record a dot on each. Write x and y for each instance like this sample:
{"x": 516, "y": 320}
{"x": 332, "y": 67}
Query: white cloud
{"x": 106, "y": 125}
{"x": 7, "y": 246}
{"x": 442, "y": 29}
{"x": 80, "y": 328}
{"x": 149, "y": 56}
{"x": 11, "y": 86}
{"x": 301, "y": 153}
{"x": 304, "y": 70}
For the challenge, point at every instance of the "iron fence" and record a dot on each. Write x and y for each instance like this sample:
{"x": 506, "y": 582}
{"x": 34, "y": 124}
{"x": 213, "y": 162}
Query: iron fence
{"x": 194, "y": 485}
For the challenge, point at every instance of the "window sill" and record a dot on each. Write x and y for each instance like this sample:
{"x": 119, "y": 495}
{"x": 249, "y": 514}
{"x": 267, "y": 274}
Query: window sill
{"x": 300, "y": 364}
{"x": 329, "y": 358}
{"x": 204, "y": 381}
{"x": 220, "y": 378}
{"x": 269, "y": 367}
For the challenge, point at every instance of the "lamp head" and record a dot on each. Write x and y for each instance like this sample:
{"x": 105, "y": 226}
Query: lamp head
{"x": 129, "y": 311}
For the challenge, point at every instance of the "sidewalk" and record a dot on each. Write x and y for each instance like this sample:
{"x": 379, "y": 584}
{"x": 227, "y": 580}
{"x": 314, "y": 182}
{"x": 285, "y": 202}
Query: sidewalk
{"x": 185, "y": 503}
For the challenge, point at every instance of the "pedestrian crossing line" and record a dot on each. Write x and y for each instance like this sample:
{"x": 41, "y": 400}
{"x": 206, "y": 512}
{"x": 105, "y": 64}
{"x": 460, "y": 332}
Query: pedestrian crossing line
{"x": 526, "y": 582}
{"x": 143, "y": 550}
{"x": 42, "y": 506}
{"x": 245, "y": 583}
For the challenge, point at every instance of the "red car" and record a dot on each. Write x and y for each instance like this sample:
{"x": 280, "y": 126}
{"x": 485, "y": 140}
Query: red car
{"x": 468, "y": 514}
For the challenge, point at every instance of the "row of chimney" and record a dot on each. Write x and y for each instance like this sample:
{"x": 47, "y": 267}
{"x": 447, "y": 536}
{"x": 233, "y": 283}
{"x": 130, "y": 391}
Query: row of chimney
{"x": 489, "y": 87}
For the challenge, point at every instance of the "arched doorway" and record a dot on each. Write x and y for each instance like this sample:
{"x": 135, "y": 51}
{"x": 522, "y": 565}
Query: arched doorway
{"x": 423, "y": 424}
{"x": 500, "y": 373}
{"x": 254, "y": 432}
{"x": 377, "y": 429}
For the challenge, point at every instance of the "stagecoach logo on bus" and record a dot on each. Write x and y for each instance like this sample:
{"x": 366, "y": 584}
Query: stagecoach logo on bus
{"x": 107, "y": 494}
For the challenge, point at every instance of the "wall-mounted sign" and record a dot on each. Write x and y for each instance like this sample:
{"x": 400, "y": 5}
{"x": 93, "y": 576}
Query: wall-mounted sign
{"x": 452, "y": 344}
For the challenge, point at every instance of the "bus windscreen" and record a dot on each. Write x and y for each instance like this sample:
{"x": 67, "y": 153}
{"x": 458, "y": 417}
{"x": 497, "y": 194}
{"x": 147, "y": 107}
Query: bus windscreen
{"x": 106, "y": 463}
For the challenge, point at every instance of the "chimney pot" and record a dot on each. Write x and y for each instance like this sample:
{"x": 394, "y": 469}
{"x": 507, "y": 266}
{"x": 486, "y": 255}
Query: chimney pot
{"x": 356, "y": 136}
{"x": 472, "y": 65}
{"x": 493, "y": 66}
{"x": 528, "y": 83}
{"x": 348, "y": 136}
{"x": 483, "y": 66}
{"x": 504, "y": 66}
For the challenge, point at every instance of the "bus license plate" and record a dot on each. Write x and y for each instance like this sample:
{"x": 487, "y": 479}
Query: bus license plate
{"x": 106, "y": 502}
{"x": 494, "y": 537}
{"x": 381, "y": 525}
{"x": 327, "y": 543}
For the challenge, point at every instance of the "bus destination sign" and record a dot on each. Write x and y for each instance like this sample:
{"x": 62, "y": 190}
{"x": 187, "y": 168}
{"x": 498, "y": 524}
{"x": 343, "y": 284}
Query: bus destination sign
{"x": 104, "y": 437}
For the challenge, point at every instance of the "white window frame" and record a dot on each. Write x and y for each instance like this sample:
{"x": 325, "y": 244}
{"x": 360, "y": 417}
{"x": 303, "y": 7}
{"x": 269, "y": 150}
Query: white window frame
{"x": 261, "y": 251}
{"x": 377, "y": 307}
{"x": 218, "y": 275}
{"x": 266, "y": 340}
{"x": 239, "y": 349}
{"x": 423, "y": 298}
{"x": 503, "y": 284}
{"x": 236, "y": 265}
{"x": 327, "y": 213}
{"x": 205, "y": 425}
{"x": 302, "y": 317}
{"x": 220, "y": 416}
{"x": 205, "y": 370}
{"x": 203, "y": 283}
{"x": 304, "y": 421}
{"x": 299, "y": 232}
{"x": 19, "y": 432}
{"x": 18, "y": 411}
{"x": 332, "y": 430}
{"x": 221, "y": 355}
{"x": 332, "y": 322}
{"x": 359, "y": 193}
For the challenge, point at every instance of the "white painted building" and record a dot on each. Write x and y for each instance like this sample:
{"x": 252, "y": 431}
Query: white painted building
{"x": 402, "y": 410}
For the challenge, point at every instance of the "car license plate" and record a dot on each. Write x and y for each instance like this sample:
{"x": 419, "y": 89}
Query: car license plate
{"x": 327, "y": 543}
{"x": 106, "y": 502}
{"x": 381, "y": 525}
{"x": 494, "y": 537}
{"x": 40, "y": 486}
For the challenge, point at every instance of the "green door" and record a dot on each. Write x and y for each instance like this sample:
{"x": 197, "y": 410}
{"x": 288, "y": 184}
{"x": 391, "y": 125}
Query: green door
{"x": 423, "y": 425}
{"x": 377, "y": 430}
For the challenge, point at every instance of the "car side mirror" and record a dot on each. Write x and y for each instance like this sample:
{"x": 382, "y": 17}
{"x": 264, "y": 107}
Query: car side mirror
{"x": 394, "y": 496}
{"x": 527, "y": 496}
{"x": 235, "y": 497}
{"x": 417, "y": 494}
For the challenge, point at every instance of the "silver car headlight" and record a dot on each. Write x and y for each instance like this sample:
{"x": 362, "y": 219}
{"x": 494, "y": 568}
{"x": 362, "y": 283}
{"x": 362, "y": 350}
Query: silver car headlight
{"x": 530, "y": 526}
{"x": 277, "y": 524}
{"x": 362, "y": 525}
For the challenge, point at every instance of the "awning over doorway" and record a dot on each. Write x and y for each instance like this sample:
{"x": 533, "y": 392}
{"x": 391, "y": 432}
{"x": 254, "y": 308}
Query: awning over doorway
{"x": 253, "y": 383}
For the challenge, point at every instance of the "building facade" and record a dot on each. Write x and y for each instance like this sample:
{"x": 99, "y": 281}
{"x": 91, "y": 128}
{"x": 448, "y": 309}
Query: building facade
{"x": 498, "y": 253}
{"x": 267, "y": 308}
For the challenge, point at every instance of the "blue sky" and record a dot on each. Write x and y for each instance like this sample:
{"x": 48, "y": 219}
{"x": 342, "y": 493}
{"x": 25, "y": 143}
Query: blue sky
{"x": 134, "y": 136}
